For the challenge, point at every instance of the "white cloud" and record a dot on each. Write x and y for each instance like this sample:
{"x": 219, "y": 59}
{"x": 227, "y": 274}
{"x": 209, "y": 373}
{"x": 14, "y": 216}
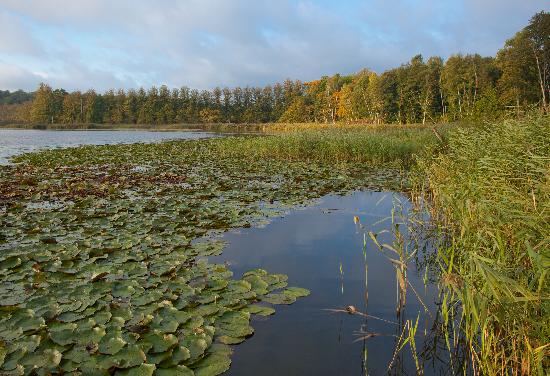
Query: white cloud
{"x": 204, "y": 43}
{"x": 14, "y": 38}
{"x": 13, "y": 77}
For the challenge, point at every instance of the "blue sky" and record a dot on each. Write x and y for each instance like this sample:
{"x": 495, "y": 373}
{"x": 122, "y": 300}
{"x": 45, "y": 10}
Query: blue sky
{"x": 103, "y": 44}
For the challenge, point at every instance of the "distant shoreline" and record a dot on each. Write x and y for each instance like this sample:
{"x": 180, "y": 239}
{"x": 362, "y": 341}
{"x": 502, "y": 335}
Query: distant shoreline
{"x": 134, "y": 127}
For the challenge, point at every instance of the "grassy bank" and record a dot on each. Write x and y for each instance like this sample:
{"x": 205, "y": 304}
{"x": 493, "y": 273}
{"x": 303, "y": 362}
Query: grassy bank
{"x": 490, "y": 193}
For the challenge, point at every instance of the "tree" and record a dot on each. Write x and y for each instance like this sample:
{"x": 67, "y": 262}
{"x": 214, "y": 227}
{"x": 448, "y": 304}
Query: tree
{"x": 297, "y": 112}
{"x": 42, "y": 110}
{"x": 388, "y": 91}
{"x": 227, "y": 106}
{"x": 131, "y": 105}
{"x": 93, "y": 112}
{"x": 517, "y": 85}
{"x": 73, "y": 108}
{"x": 431, "y": 100}
{"x": 164, "y": 109}
{"x": 209, "y": 115}
{"x": 538, "y": 34}
{"x": 464, "y": 79}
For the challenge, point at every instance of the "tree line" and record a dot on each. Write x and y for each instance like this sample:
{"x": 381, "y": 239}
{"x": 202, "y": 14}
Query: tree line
{"x": 420, "y": 91}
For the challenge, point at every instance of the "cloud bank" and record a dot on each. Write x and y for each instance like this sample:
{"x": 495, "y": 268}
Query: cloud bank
{"x": 206, "y": 43}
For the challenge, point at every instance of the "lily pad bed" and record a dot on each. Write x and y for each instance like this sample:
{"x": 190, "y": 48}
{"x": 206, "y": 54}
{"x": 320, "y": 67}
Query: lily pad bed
{"x": 101, "y": 271}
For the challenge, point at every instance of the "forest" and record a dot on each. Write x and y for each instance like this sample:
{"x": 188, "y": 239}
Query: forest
{"x": 463, "y": 87}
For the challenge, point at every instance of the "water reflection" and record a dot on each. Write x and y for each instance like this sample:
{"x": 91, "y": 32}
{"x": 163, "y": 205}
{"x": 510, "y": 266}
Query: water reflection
{"x": 322, "y": 249}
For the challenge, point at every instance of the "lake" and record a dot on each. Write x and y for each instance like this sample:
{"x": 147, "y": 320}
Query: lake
{"x": 19, "y": 141}
{"x": 310, "y": 246}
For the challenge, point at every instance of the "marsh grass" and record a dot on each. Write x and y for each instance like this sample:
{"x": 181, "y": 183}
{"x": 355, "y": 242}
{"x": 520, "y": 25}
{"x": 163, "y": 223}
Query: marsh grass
{"x": 489, "y": 193}
{"x": 373, "y": 146}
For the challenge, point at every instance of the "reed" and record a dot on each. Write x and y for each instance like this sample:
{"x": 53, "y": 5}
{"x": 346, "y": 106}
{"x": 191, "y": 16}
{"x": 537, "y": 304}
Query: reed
{"x": 372, "y": 146}
{"x": 489, "y": 194}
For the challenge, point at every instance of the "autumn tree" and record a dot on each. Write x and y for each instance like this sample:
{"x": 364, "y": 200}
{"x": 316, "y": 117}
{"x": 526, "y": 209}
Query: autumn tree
{"x": 42, "y": 110}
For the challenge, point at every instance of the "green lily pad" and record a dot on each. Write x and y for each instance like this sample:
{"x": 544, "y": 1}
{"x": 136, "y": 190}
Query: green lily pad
{"x": 160, "y": 342}
{"x": 3, "y": 353}
{"x": 212, "y": 365}
{"x": 156, "y": 358}
{"x": 259, "y": 310}
{"x": 288, "y": 296}
{"x": 78, "y": 354}
{"x": 174, "y": 371}
{"x": 297, "y": 291}
{"x": 92, "y": 335}
{"x": 234, "y": 325}
{"x": 49, "y": 358}
{"x": 142, "y": 370}
{"x": 179, "y": 355}
{"x": 196, "y": 346}
{"x": 258, "y": 285}
{"x": 129, "y": 356}
{"x": 112, "y": 342}
{"x": 63, "y": 334}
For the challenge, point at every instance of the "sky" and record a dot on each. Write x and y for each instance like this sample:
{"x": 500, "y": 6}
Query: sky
{"x": 111, "y": 44}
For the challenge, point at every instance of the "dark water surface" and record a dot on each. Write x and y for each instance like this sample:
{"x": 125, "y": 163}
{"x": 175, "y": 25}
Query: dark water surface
{"x": 309, "y": 246}
{"x": 19, "y": 141}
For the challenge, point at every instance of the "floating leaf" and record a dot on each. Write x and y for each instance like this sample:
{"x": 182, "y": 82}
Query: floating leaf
{"x": 49, "y": 358}
{"x": 234, "y": 325}
{"x": 174, "y": 371}
{"x": 142, "y": 370}
{"x": 129, "y": 356}
{"x": 160, "y": 342}
{"x": 112, "y": 343}
{"x": 63, "y": 334}
{"x": 212, "y": 365}
{"x": 297, "y": 291}
{"x": 259, "y": 310}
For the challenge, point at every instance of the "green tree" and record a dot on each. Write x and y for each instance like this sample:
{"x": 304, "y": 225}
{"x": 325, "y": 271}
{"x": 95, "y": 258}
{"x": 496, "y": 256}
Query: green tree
{"x": 538, "y": 34}
{"x": 518, "y": 83}
{"x": 463, "y": 80}
{"x": 93, "y": 112}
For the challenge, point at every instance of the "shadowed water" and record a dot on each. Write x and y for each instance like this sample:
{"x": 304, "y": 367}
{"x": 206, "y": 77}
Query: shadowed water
{"x": 19, "y": 141}
{"x": 309, "y": 246}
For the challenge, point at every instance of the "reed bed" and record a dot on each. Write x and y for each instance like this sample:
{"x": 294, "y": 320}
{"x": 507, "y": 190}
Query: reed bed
{"x": 490, "y": 194}
{"x": 376, "y": 147}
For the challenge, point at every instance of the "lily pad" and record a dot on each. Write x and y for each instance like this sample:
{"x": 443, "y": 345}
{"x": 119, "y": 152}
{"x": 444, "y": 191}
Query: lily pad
{"x": 259, "y": 310}
{"x": 112, "y": 343}
{"x": 175, "y": 371}
{"x": 142, "y": 370}
{"x": 213, "y": 364}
